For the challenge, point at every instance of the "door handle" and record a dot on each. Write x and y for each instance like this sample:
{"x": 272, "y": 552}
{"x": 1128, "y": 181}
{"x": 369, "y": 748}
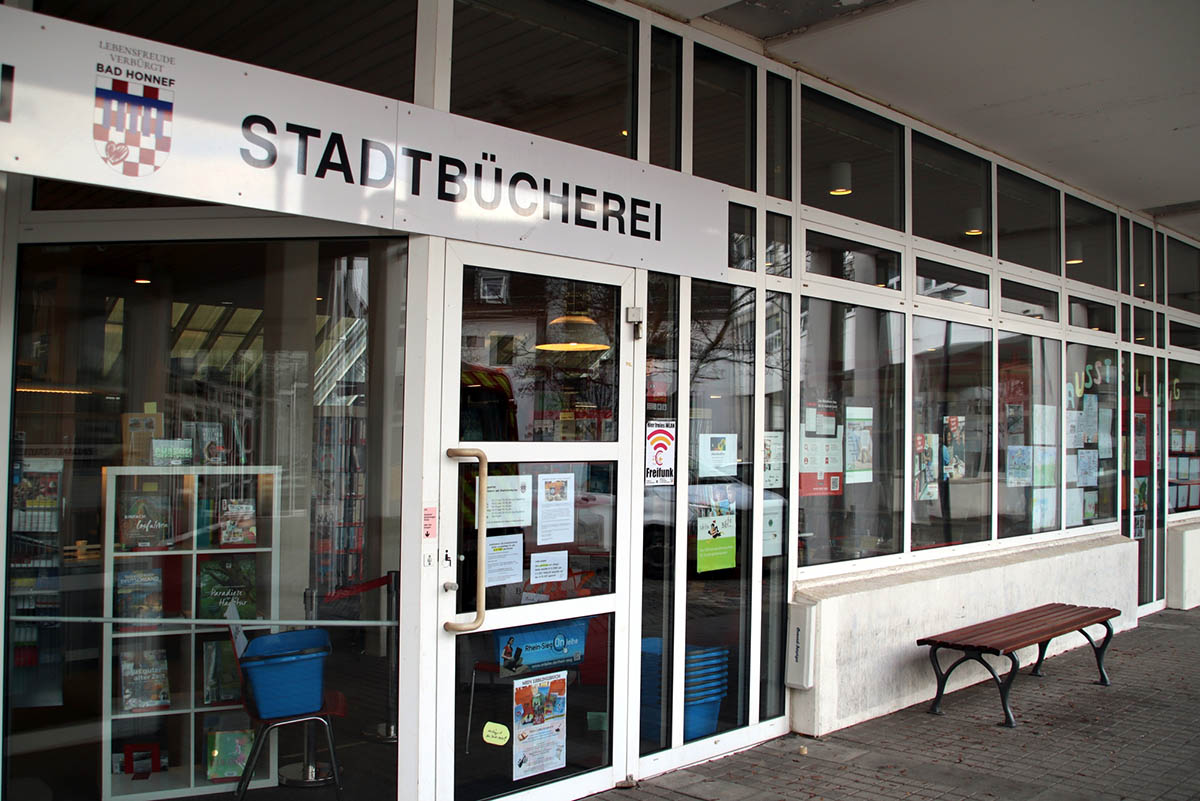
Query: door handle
{"x": 480, "y": 540}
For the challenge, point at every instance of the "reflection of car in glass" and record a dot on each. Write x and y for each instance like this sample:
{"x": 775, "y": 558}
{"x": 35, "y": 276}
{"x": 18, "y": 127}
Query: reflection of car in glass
{"x": 711, "y": 499}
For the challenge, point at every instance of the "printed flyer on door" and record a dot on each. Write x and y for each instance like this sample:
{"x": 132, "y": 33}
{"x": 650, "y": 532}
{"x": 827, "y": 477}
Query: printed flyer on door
{"x": 539, "y": 724}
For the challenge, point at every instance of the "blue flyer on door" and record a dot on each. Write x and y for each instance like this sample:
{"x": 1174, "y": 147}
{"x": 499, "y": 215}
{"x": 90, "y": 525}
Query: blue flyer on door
{"x": 541, "y": 647}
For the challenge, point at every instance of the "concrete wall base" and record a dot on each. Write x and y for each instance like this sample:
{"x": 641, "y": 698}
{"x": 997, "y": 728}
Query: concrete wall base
{"x": 1183, "y": 566}
{"x": 866, "y": 661}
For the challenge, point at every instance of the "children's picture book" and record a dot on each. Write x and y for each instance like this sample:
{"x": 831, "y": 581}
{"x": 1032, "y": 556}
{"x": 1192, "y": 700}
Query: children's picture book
{"x": 143, "y": 520}
{"x": 140, "y": 595}
{"x": 239, "y": 527}
{"x": 227, "y": 753}
{"x": 226, "y": 580}
{"x": 209, "y": 443}
{"x": 144, "y": 683}
{"x": 222, "y": 681}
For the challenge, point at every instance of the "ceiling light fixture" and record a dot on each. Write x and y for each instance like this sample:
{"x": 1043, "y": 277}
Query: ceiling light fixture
{"x": 1075, "y": 253}
{"x": 574, "y": 331}
{"x": 974, "y": 221}
{"x": 840, "y": 176}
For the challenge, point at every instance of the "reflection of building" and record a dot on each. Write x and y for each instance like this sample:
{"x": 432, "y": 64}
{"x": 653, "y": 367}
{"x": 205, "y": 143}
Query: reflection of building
{"x": 322, "y": 261}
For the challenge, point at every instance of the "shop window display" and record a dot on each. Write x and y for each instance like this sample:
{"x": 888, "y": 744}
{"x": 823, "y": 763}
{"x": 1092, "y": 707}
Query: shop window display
{"x": 851, "y": 459}
{"x": 1029, "y": 392}
{"x": 191, "y": 442}
{"x": 1090, "y": 410}
{"x": 1183, "y": 450}
{"x": 952, "y": 440}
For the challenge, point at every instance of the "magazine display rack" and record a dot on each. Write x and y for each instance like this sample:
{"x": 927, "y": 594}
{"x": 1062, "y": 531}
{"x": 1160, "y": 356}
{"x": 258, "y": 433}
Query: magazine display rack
{"x": 183, "y": 545}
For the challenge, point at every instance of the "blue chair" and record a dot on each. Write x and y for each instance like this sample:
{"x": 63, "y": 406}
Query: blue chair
{"x": 284, "y": 675}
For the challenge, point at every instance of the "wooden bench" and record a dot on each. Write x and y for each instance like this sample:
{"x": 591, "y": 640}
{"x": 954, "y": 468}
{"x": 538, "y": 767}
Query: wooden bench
{"x": 1003, "y": 636}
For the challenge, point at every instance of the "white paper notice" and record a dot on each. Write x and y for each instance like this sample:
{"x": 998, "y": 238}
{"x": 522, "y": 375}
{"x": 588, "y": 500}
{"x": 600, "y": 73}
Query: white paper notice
{"x": 547, "y": 566}
{"x": 772, "y": 459}
{"x": 1105, "y": 437}
{"x": 504, "y": 560}
{"x": 859, "y": 445}
{"x": 509, "y": 501}
{"x": 718, "y": 455}
{"x": 556, "y": 508}
{"x": 539, "y": 724}
{"x": 773, "y": 521}
{"x": 1075, "y": 506}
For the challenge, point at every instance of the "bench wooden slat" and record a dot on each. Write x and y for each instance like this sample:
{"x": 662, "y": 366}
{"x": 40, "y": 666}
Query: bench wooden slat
{"x": 1006, "y": 634}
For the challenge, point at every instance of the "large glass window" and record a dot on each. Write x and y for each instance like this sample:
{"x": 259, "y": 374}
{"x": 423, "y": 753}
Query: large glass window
{"x": 1184, "y": 263}
{"x": 1183, "y": 454}
{"x": 851, "y": 431}
{"x": 539, "y": 358}
{"x": 937, "y": 280}
{"x": 1027, "y": 215}
{"x": 1087, "y": 313}
{"x": 1143, "y": 262}
{"x": 776, "y": 509}
{"x": 743, "y": 252}
{"x": 721, "y": 499}
{"x": 556, "y": 68}
{"x": 666, "y": 99}
{"x": 852, "y": 161}
{"x": 779, "y": 136}
{"x": 1091, "y": 439}
{"x": 779, "y": 244}
{"x": 851, "y": 261}
{"x": 196, "y": 433}
{"x": 1030, "y": 378}
{"x": 952, "y": 439}
{"x": 1028, "y": 300}
{"x": 658, "y": 523}
{"x": 952, "y": 192}
{"x": 1091, "y": 243}
{"x": 724, "y": 118}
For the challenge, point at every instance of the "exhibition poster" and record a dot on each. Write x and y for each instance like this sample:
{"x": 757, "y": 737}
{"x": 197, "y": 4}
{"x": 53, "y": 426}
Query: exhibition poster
{"x": 539, "y": 724}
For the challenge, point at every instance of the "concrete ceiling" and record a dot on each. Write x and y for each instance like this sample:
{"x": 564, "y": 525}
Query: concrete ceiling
{"x": 1101, "y": 94}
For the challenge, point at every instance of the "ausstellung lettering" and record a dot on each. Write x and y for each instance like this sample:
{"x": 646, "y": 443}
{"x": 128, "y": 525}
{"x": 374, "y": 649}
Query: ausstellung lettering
{"x": 448, "y": 178}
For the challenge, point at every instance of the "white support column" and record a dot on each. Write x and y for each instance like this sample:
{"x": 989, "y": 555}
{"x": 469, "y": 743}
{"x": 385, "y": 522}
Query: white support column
{"x": 419, "y": 689}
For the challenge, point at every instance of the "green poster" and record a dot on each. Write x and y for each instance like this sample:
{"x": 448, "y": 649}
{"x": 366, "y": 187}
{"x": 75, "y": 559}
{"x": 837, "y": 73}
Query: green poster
{"x": 716, "y": 543}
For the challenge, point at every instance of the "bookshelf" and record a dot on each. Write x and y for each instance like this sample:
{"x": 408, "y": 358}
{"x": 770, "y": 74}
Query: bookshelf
{"x": 167, "y": 572}
{"x": 339, "y": 499}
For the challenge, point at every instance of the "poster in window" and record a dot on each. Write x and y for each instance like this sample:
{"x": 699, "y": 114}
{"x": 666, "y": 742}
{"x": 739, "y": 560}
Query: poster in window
{"x": 1105, "y": 437}
{"x": 716, "y": 542}
{"x": 1045, "y": 424}
{"x": 859, "y": 444}
{"x": 1189, "y": 440}
{"x": 504, "y": 560}
{"x": 1071, "y": 469}
{"x": 773, "y": 449}
{"x": 556, "y": 508}
{"x": 1089, "y": 465}
{"x": 1014, "y": 422}
{"x": 954, "y": 447}
{"x": 1074, "y": 426}
{"x": 1139, "y": 437}
{"x": 509, "y": 501}
{"x": 1019, "y": 468}
{"x": 773, "y": 524}
{"x": 1091, "y": 499}
{"x": 1045, "y": 465}
{"x": 1141, "y": 493}
{"x": 1091, "y": 419}
{"x": 718, "y": 455}
{"x": 926, "y": 457}
{"x": 1176, "y": 440}
{"x": 821, "y": 463}
{"x": 539, "y": 724}
{"x": 1139, "y": 527}
{"x": 1045, "y": 508}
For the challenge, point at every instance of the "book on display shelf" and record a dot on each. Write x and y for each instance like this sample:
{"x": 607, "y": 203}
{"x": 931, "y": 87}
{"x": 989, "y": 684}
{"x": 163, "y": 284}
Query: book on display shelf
{"x": 239, "y": 527}
{"x": 144, "y": 683}
{"x": 225, "y": 580}
{"x": 139, "y": 595}
{"x": 144, "y": 520}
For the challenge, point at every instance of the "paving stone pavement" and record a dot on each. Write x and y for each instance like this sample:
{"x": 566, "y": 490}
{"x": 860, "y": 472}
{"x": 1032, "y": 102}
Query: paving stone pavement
{"x": 1138, "y": 739}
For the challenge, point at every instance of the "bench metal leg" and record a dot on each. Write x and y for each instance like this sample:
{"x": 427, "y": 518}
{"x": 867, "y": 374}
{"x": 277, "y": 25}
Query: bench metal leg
{"x": 1100, "y": 650}
{"x": 1037, "y": 669}
{"x": 1005, "y": 684}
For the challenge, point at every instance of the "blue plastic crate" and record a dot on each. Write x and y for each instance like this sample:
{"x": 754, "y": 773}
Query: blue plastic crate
{"x": 286, "y": 672}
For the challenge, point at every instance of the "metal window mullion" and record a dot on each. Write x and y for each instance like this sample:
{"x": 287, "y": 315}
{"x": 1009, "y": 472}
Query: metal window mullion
{"x": 686, "y": 105}
{"x": 643, "y": 91}
{"x": 909, "y": 435}
{"x": 754, "y": 639}
{"x": 995, "y": 483}
{"x": 682, "y": 487}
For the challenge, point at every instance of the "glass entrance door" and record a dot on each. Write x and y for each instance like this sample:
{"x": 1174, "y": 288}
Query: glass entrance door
{"x": 538, "y": 368}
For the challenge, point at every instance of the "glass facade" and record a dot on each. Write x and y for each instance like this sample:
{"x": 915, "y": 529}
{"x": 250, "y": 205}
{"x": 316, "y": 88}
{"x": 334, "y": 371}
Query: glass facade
{"x": 194, "y": 420}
